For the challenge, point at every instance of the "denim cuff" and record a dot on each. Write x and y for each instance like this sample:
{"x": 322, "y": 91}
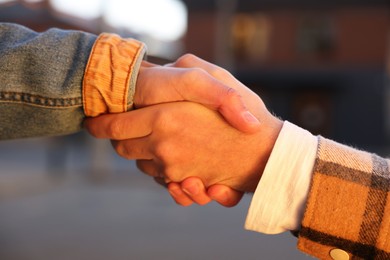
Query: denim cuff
{"x": 111, "y": 75}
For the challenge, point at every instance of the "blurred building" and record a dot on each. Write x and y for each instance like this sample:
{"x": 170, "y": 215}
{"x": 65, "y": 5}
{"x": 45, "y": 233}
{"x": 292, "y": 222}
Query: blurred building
{"x": 40, "y": 15}
{"x": 320, "y": 64}
{"x": 161, "y": 35}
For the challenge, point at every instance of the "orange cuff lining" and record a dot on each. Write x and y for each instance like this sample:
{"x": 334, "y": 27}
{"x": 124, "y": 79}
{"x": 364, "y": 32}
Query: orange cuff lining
{"x": 110, "y": 74}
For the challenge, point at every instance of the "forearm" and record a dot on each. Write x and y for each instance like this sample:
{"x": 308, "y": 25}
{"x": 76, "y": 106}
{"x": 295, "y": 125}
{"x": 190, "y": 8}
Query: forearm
{"x": 348, "y": 205}
{"x": 41, "y": 76}
{"x": 52, "y": 80}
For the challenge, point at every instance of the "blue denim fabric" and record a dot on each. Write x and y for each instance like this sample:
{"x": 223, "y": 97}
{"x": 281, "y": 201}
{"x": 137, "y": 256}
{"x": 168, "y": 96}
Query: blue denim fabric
{"x": 41, "y": 81}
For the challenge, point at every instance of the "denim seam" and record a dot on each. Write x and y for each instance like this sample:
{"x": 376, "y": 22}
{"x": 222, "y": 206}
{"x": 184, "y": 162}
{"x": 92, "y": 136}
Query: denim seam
{"x": 19, "y": 97}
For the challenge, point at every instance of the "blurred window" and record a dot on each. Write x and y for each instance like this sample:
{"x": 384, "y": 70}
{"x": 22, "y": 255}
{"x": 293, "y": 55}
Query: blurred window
{"x": 250, "y": 36}
{"x": 316, "y": 37}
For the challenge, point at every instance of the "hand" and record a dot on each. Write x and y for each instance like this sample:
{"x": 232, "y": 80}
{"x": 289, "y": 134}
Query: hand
{"x": 222, "y": 194}
{"x": 179, "y": 140}
{"x": 149, "y": 95}
{"x": 163, "y": 84}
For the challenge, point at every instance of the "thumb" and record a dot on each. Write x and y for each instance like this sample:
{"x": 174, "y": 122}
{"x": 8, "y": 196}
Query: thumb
{"x": 236, "y": 113}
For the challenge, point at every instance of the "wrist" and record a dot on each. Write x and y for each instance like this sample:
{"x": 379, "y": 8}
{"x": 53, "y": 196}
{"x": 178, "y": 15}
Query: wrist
{"x": 267, "y": 137}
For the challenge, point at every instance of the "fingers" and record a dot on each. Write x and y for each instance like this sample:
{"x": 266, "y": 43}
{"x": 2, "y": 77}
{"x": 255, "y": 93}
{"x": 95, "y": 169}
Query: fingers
{"x": 134, "y": 124}
{"x": 188, "y": 191}
{"x": 224, "y": 195}
{"x": 192, "y": 190}
{"x": 178, "y": 195}
{"x": 195, "y": 189}
{"x": 185, "y": 193}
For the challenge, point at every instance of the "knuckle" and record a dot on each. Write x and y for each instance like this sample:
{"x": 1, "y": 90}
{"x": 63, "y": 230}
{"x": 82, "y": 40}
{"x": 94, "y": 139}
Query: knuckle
{"x": 164, "y": 151}
{"x": 115, "y": 129}
{"x": 186, "y": 59}
{"x": 196, "y": 75}
{"x": 230, "y": 98}
{"x": 167, "y": 121}
{"x": 231, "y": 93}
{"x": 171, "y": 173}
{"x": 219, "y": 73}
{"x": 161, "y": 120}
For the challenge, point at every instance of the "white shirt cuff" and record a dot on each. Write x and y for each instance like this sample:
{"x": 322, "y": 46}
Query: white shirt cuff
{"x": 280, "y": 197}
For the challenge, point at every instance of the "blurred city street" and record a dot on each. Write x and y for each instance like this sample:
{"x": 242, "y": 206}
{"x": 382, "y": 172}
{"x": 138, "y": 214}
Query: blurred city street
{"x": 109, "y": 210}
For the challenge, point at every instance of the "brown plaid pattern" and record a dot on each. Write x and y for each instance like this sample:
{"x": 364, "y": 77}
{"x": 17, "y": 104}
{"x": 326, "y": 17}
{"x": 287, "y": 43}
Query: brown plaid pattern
{"x": 348, "y": 205}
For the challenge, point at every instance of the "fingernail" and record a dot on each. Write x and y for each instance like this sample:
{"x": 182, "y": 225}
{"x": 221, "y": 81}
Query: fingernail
{"x": 191, "y": 190}
{"x": 250, "y": 118}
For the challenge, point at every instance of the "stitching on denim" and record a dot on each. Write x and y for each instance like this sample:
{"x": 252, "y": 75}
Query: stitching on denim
{"x": 18, "y": 97}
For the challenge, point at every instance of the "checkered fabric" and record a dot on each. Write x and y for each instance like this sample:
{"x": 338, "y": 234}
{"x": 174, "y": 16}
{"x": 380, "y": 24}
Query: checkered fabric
{"x": 348, "y": 206}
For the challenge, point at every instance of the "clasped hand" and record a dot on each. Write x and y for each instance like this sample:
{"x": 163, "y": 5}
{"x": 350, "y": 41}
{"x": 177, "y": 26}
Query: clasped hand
{"x": 196, "y": 128}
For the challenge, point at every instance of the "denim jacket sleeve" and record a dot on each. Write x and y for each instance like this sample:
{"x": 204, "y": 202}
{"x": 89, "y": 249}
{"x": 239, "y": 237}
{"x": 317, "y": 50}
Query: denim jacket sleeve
{"x": 50, "y": 81}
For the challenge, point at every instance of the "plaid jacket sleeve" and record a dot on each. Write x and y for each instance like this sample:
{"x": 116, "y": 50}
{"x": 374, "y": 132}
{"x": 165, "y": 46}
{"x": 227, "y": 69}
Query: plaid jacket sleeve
{"x": 348, "y": 209}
